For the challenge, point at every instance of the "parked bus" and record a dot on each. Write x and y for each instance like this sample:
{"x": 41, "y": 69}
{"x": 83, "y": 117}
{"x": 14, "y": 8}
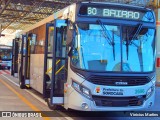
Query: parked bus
{"x": 5, "y": 56}
{"x": 15, "y": 51}
{"x": 91, "y": 56}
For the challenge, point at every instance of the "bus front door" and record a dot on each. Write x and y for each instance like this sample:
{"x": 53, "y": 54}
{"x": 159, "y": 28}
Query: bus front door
{"x": 48, "y": 60}
{"x": 22, "y": 68}
{"x": 55, "y": 81}
{"x": 14, "y": 69}
{"x": 59, "y": 66}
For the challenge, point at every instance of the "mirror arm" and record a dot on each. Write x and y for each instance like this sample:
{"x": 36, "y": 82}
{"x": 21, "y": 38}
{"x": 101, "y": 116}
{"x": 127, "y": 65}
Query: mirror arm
{"x": 70, "y": 52}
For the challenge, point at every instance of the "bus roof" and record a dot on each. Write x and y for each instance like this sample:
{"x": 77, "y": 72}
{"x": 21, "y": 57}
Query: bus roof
{"x": 119, "y": 4}
{"x": 60, "y": 13}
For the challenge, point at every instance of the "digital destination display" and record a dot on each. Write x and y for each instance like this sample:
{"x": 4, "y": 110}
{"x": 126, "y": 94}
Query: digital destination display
{"x": 113, "y": 12}
{"x": 91, "y": 11}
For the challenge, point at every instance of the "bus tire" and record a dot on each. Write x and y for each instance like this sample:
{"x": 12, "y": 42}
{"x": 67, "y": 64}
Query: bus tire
{"x": 21, "y": 78}
{"x": 21, "y": 84}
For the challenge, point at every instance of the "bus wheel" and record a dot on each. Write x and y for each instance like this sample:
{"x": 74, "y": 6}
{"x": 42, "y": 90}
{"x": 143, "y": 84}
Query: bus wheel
{"x": 21, "y": 80}
{"x": 22, "y": 86}
{"x": 53, "y": 107}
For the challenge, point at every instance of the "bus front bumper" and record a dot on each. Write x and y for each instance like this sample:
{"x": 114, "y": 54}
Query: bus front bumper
{"x": 78, "y": 102}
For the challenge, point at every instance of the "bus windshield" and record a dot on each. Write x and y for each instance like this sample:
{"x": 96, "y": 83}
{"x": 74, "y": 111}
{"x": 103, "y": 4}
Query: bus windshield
{"x": 99, "y": 47}
{"x": 5, "y": 54}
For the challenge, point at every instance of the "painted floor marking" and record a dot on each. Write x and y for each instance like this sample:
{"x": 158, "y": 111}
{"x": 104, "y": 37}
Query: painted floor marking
{"x": 38, "y": 98}
{"x": 5, "y": 72}
{"x": 23, "y": 98}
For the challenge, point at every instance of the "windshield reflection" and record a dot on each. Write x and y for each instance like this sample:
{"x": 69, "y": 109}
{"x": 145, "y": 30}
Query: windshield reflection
{"x": 99, "y": 47}
{"x": 5, "y": 54}
{"x": 140, "y": 54}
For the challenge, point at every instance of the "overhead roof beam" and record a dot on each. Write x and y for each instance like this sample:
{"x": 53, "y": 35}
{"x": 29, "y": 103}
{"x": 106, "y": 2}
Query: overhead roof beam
{"x": 6, "y": 4}
{"x": 22, "y": 15}
{"x": 3, "y": 9}
{"x": 28, "y": 11}
{"x": 45, "y": 4}
{"x": 20, "y": 22}
{"x": 7, "y": 16}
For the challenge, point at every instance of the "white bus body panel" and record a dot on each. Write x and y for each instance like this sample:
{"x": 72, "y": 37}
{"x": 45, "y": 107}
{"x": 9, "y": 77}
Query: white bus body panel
{"x": 36, "y": 71}
{"x": 76, "y": 104}
{"x": 74, "y": 99}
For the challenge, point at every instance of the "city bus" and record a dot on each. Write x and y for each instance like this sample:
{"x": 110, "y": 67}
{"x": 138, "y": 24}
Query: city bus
{"x": 5, "y": 56}
{"x": 15, "y": 51}
{"x": 91, "y": 56}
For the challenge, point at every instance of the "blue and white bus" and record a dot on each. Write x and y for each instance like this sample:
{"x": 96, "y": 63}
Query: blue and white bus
{"x": 97, "y": 56}
{"x": 5, "y": 56}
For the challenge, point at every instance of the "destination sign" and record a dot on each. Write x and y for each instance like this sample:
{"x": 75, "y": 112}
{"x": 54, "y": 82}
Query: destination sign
{"x": 111, "y": 12}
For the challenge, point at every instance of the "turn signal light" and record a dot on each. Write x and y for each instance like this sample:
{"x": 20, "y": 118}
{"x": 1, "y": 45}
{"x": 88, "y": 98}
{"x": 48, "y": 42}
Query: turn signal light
{"x": 158, "y": 62}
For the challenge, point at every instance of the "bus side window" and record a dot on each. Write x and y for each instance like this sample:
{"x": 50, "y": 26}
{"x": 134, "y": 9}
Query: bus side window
{"x": 61, "y": 42}
{"x": 60, "y": 75}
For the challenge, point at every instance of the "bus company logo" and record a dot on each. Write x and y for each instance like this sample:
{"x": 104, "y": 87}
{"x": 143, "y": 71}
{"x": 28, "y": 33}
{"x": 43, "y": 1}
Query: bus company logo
{"x": 121, "y": 83}
{"x": 98, "y": 89}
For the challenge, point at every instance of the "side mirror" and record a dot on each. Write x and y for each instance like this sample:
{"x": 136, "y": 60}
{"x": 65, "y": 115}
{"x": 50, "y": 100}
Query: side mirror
{"x": 69, "y": 37}
{"x": 70, "y": 52}
{"x": 70, "y": 33}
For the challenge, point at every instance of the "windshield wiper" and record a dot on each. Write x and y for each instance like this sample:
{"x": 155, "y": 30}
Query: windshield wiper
{"x": 107, "y": 36}
{"x": 113, "y": 45}
{"x": 127, "y": 43}
{"x": 137, "y": 31}
{"x": 139, "y": 48}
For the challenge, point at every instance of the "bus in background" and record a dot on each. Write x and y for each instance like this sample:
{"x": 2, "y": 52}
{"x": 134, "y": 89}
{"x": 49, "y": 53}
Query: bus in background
{"x": 15, "y": 50}
{"x": 92, "y": 56}
{"x": 5, "y": 56}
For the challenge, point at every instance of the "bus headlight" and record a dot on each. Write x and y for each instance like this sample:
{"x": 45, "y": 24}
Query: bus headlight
{"x": 81, "y": 89}
{"x": 85, "y": 91}
{"x": 149, "y": 92}
{"x": 76, "y": 86}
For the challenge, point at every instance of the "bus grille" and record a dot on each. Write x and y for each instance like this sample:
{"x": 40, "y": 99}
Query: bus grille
{"x": 118, "y": 101}
{"x": 119, "y": 80}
